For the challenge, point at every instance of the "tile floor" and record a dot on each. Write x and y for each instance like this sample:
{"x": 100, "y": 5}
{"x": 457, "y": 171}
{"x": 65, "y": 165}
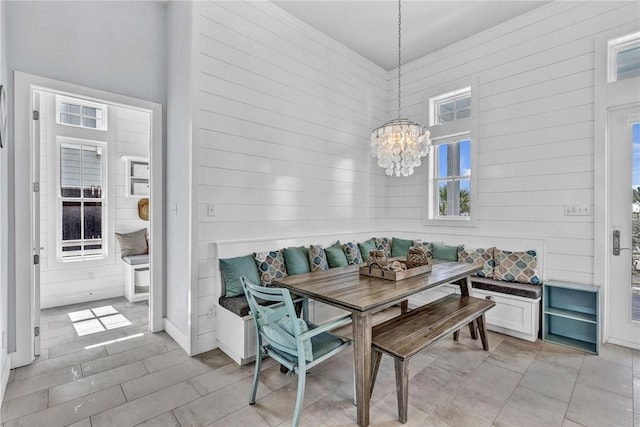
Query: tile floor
{"x": 124, "y": 376}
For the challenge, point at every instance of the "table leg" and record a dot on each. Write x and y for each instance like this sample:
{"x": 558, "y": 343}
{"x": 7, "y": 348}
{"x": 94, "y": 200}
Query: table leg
{"x": 404, "y": 306}
{"x": 362, "y": 364}
{"x": 465, "y": 290}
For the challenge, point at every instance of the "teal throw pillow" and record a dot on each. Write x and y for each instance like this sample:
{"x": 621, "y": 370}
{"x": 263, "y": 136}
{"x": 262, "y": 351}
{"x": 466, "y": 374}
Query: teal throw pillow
{"x": 296, "y": 260}
{"x": 284, "y": 339}
{"x": 336, "y": 256}
{"x": 366, "y": 247}
{"x": 400, "y": 247}
{"x": 233, "y": 269}
{"x": 445, "y": 252}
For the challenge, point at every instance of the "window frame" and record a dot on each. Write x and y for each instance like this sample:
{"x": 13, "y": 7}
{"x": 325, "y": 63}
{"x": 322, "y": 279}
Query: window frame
{"x": 458, "y": 130}
{"x": 614, "y": 46}
{"x": 61, "y": 99}
{"x": 60, "y": 199}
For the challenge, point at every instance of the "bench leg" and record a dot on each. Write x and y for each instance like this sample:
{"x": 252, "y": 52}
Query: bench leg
{"x": 482, "y": 328}
{"x": 456, "y": 334}
{"x": 402, "y": 388}
{"x": 376, "y": 356}
{"x": 404, "y": 306}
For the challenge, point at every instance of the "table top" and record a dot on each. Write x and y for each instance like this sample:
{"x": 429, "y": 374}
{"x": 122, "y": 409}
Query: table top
{"x": 344, "y": 287}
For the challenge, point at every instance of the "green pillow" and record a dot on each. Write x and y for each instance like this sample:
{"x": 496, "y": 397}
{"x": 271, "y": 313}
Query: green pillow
{"x": 445, "y": 252}
{"x": 400, "y": 247}
{"x": 366, "y": 248}
{"x": 336, "y": 256}
{"x": 233, "y": 269}
{"x": 279, "y": 337}
{"x": 296, "y": 260}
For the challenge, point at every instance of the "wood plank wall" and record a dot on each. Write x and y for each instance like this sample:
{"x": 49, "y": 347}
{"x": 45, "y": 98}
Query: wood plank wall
{"x": 281, "y": 134}
{"x": 535, "y": 136}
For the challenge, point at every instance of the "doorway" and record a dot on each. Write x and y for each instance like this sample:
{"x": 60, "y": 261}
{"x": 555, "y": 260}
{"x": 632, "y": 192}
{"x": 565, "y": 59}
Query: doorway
{"x": 89, "y": 255}
{"x": 624, "y": 213}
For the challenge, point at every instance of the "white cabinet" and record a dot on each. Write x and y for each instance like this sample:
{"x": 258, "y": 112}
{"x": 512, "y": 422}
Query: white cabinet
{"x": 136, "y": 176}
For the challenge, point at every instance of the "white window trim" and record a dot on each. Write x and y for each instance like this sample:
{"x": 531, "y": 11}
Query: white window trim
{"x": 60, "y": 99}
{"x": 613, "y": 47}
{"x": 452, "y": 131}
{"x": 60, "y": 140}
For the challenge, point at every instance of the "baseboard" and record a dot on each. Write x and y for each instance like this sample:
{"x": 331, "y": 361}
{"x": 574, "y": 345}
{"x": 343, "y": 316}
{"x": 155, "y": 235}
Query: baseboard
{"x": 178, "y": 336}
{"x": 5, "y": 370}
{"x": 206, "y": 342}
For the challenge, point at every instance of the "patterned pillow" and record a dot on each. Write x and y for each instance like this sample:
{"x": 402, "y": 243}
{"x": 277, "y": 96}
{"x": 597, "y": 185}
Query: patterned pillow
{"x": 481, "y": 257}
{"x": 317, "y": 258}
{"x": 352, "y": 252}
{"x": 427, "y": 245}
{"x": 270, "y": 266}
{"x": 516, "y": 266}
{"x": 383, "y": 244}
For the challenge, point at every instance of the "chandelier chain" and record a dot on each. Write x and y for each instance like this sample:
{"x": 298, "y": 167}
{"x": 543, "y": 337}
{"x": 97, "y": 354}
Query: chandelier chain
{"x": 399, "y": 56}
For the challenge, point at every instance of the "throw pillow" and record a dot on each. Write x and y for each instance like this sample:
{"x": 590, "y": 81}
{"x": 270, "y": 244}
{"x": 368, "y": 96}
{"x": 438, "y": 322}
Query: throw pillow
{"x": 445, "y": 252}
{"x": 427, "y": 245}
{"x": 480, "y": 257}
{"x": 296, "y": 260}
{"x": 134, "y": 243}
{"x": 270, "y": 266}
{"x": 352, "y": 252}
{"x": 400, "y": 247}
{"x": 233, "y": 269}
{"x": 516, "y": 266}
{"x": 283, "y": 336}
{"x": 317, "y": 258}
{"x": 366, "y": 247}
{"x": 383, "y": 244}
{"x": 336, "y": 256}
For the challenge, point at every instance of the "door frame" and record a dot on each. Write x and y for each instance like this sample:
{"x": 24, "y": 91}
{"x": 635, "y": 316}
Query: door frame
{"x": 608, "y": 96}
{"x": 24, "y": 84}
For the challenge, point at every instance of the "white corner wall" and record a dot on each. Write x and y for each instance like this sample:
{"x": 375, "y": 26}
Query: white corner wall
{"x": 536, "y": 140}
{"x": 281, "y": 135}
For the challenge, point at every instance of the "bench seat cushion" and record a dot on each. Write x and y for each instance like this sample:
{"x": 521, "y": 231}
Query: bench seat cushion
{"x": 510, "y": 288}
{"x": 239, "y": 305}
{"x": 136, "y": 259}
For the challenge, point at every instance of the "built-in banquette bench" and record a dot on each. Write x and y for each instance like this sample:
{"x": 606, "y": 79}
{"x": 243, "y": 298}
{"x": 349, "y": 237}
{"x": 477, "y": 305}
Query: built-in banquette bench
{"x": 517, "y": 310}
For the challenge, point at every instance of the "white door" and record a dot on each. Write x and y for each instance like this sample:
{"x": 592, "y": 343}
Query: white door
{"x": 35, "y": 223}
{"x": 624, "y": 225}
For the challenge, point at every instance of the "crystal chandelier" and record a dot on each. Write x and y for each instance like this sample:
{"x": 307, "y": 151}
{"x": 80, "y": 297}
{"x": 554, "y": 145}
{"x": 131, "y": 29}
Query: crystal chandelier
{"x": 399, "y": 145}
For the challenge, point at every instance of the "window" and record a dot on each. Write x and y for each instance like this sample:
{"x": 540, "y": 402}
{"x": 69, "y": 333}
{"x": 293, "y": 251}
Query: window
{"x": 624, "y": 57}
{"x": 452, "y": 124}
{"x": 453, "y": 178}
{"x": 80, "y": 113}
{"x": 81, "y": 199}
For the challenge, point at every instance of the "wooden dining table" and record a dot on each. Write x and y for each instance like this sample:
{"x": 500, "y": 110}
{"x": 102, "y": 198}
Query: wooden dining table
{"x": 346, "y": 288}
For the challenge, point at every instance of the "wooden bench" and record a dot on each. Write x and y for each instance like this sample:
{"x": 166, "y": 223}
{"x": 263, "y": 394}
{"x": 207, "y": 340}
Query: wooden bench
{"x": 411, "y": 332}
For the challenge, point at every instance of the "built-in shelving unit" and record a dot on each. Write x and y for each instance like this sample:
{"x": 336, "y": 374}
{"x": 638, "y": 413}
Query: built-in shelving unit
{"x": 571, "y": 315}
{"x": 137, "y": 176}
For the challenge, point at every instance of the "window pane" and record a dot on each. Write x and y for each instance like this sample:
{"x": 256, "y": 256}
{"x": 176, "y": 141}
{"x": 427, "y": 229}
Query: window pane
{"x": 465, "y": 197}
{"x": 70, "y": 167}
{"x": 69, "y": 119}
{"x": 463, "y": 103}
{"x": 70, "y": 108}
{"x": 443, "y": 170}
{"x": 92, "y": 172}
{"x": 93, "y": 247}
{"x": 463, "y": 114}
{"x": 89, "y": 123}
{"x": 71, "y": 222}
{"x": 70, "y": 192}
{"x": 447, "y": 117}
{"x": 89, "y": 111}
{"x": 93, "y": 220}
{"x": 628, "y": 63}
{"x": 465, "y": 158}
{"x": 71, "y": 248}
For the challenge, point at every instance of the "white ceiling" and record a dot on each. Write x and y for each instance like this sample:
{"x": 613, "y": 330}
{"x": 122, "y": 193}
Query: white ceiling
{"x": 370, "y": 27}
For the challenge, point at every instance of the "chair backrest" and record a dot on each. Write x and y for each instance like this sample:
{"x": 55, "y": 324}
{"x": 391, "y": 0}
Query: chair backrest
{"x": 278, "y": 324}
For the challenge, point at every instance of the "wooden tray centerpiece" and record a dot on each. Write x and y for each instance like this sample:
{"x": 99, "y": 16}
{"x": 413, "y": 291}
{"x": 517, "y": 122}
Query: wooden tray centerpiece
{"x": 378, "y": 265}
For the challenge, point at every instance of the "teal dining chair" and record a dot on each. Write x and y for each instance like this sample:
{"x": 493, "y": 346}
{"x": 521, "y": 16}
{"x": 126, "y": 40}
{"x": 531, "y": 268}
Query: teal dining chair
{"x": 294, "y": 342}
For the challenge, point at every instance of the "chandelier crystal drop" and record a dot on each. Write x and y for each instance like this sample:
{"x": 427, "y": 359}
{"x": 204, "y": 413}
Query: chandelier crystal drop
{"x": 400, "y": 145}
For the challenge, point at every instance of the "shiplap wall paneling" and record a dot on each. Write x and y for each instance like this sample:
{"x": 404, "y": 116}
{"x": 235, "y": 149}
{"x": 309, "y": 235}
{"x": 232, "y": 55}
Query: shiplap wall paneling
{"x": 282, "y": 122}
{"x": 535, "y": 136}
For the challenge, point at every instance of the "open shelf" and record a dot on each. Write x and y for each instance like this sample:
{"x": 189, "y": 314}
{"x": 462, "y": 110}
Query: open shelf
{"x": 571, "y": 315}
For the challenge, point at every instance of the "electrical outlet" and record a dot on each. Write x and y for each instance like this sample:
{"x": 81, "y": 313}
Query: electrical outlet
{"x": 577, "y": 210}
{"x": 211, "y": 209}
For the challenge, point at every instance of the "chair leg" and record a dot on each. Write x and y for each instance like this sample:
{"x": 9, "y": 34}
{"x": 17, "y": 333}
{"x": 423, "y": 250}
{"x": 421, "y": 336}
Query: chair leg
{"x": 376, "y": 356}
{"x": 456, "y": 334}
{"x": 402, "y": 388}
{"x": 302, "y": 375}
{"x": 256, "y": 376}
{"x": 472, "y": 330}
{"x": 482, "y": 328}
